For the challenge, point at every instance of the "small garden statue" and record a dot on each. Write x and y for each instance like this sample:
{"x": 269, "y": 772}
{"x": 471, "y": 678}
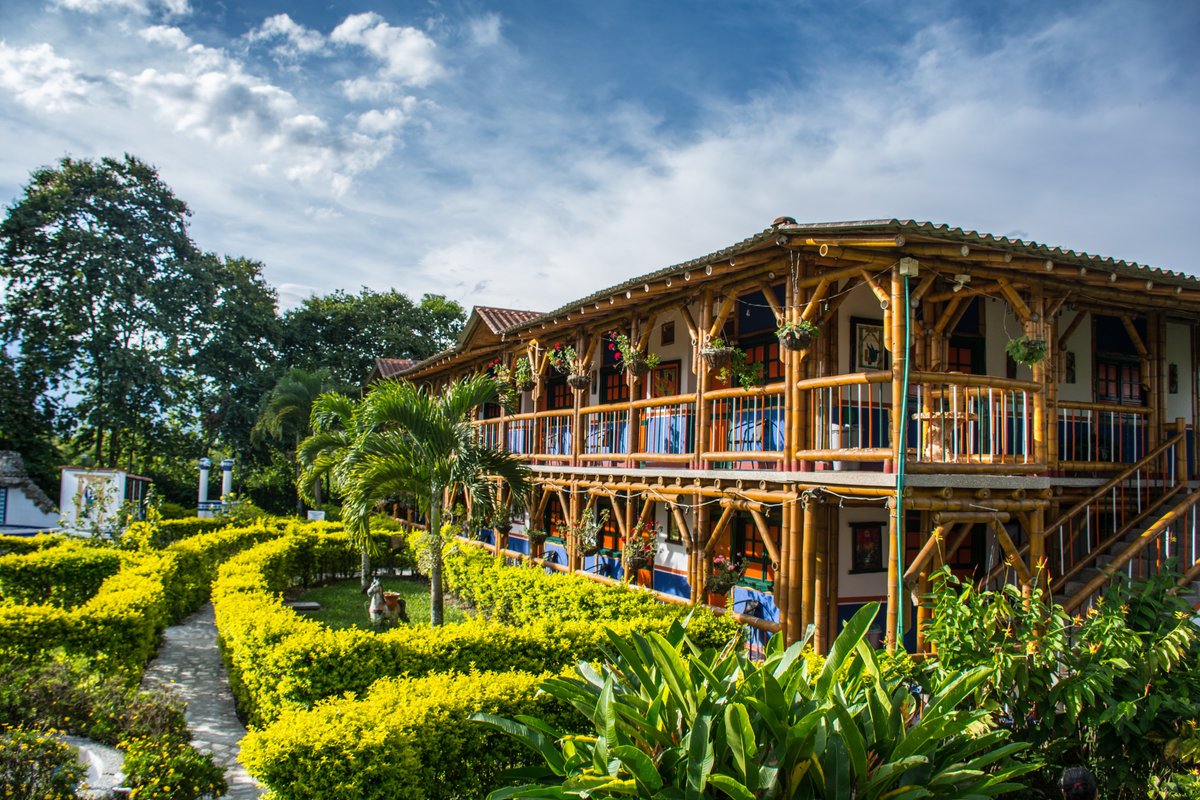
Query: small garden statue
{"x": 385, "y": 607}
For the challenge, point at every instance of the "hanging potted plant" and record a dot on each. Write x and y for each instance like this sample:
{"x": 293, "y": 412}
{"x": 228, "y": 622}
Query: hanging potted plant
{"x": 522, "y": 374}
{"x": 565, "y": 360}
{"x": 640, "y": 548}
{"x": 1026, "y": 350}
{"x": 741, "y": 371}
{"x": 628, "y": 357}
{"x": 797, "y": 335}
{"x": 716, "y": 353}
{"x": 537, "y": 538}
{"x": 725, "y": 575}
{"x": 587, "y": 532}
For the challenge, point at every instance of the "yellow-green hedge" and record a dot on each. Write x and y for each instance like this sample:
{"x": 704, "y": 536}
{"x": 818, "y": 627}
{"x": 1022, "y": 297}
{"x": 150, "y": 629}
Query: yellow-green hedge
{"x": 64, "y": 576}
{"x": 119, "y": 625}
{"x": 155, "y": 536}
{"x": 278, "y": 659}
{"x": 28, "y": 544}
{"x": 408, "y": 738}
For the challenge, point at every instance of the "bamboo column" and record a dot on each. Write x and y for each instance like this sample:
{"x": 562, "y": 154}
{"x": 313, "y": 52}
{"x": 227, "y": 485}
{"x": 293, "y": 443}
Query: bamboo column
{"x": 820, "y": 612}
{"x": 699, "y": 557}
{"x": 832, "y": 558}
{"x": 577, "y": 419}
{"x": 791, "y": 393}
{"x": 794, "y": 624}
{"x": 701, "y": 370}
{"x": 895, "y": 519}
{"x": 572, "y": 541}
{"x": 808, "y": 563}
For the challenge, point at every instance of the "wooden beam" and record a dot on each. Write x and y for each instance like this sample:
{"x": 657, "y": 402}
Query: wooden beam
{"x": 760, "y": 522}
{"x": 1131, "y": 329}
{"x": 718, "y": 529}
{"x": 932, "y": 544}
{"x": 1018, "y": 305}
{"x": 926, "y": 283}
{"x": 647, "y": 510}
{"x": 769, "y": 294}
{"x": 1014, "y": 555}
{"x": 944, "y": 320}
{"x": 689, "y": 321}
{"x": 685, "y": 532}
{"x": 1080, "y": 316}
{"x": 880, "y": 294}
{"x": 814, "y": 301}
{"x": 723, "y": 314}
{"x": 646, "y": 327}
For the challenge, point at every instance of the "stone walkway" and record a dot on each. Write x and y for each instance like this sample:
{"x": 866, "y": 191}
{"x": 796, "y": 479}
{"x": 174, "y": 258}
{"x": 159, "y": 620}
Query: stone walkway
{"x": 189, "y": 663}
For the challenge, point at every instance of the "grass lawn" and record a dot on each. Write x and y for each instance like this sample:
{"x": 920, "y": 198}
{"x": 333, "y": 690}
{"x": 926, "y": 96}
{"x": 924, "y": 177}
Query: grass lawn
{"x": 343, "y": 605}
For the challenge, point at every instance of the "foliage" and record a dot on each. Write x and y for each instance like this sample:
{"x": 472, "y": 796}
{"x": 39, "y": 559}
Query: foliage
{"x": 640, "y": 548}
{"x": 587, "y": 532}
{"x": 28, "y": 415}
{"x": 155, "y": 536}
{"x": 741, "y": 371}
{"x": 805, "y": 329}
{"x": 345, "y": 333}
{"x": 36, "y": 764}
{"x": 565, "y": 359}
{"x": 30, "y": 544}
{"x": 1026, "y": 350}
{"x": 726, "y": 573}
{"x": 407, "y": 738}
{"x": 64, "y": 577}
{"x": 343, "y": 606}
{"x": 627, "y": 353}
{"x": 1117, "y": 688}
{"x": 170, "y": 769}
{"x": 667, "y": 719}
{"x": 68, "y": 695}
{"x": 422, "y": 447}
{"x": 111, "y": 236}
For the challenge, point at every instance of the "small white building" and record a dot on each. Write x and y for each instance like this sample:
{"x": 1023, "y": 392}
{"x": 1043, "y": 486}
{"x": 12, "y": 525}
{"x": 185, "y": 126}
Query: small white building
{"x": 91, "y": 499}
{"x": 24, "y": 508}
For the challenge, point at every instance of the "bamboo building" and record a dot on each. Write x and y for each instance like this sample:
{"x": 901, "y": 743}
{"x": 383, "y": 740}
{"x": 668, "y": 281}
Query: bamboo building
{"x": 1013, "y": 411}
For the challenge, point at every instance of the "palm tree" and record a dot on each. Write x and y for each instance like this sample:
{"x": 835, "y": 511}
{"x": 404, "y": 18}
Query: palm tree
{"x": 327, "y": 454}
{"x": 422, "y": 446}
{"x": 288, "y": 410}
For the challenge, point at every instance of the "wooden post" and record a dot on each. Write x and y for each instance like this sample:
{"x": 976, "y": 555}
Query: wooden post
{"x": 573, "y": 555}
{"x": 790, "y": 362}
{"x": 802, "y": 426}
{"x": 577, "y": 419}
{"x": 1037, "y": 552}
{"x": 820, "y": 612}
{"x": 833, "y": 554}
{"x": 795, "y": 536}
{"x": 1181, "y": 470}
{"x": 1054, "y": 378}
{"x": 895, "y": 519}
{"x": 699, "y": 556}
{"x": 1035, "y": 329}
{"x": 808, "y": 564}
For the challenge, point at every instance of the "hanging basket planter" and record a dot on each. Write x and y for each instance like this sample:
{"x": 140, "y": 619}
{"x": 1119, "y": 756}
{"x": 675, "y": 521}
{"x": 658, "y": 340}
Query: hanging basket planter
{"x": 525, "y": 385}
{"x": 718, "y": 357}
{"x": 795, "y": 340}
{"x": 636, "y": 366}
{"x": 579, "y": 382}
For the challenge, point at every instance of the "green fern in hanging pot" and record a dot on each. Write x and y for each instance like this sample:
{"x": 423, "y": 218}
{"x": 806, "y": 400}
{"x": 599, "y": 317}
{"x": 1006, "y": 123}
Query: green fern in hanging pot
{"x": 1026, "y": 350}
{"x": 797, "y": 335}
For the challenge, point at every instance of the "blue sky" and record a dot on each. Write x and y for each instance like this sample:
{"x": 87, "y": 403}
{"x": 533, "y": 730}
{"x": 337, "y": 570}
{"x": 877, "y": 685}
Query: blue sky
{"x": 523, "y": 154}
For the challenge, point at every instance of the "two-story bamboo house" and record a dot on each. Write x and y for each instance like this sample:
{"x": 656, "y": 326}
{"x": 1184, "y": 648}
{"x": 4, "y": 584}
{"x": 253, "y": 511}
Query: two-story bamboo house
{"x": 936, "y": 397}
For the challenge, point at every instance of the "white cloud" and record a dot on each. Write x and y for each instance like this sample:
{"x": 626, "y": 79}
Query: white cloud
{"x": 166, "y": 35}
{"x": 297, "y": 39}
{"x": 408, "y": 55}
{"x": 41, "y": 79}
{"x": 358, "y": 89}
{"x": 387, "y": 120}
{"x": 484, "y": 31}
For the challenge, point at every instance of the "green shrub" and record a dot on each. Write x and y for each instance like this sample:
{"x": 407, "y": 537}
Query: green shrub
{"x": 407, "y": 738}
{"x": 64, "y": 576}
{"x": 172, "y": 511}
{"x": 170, "y": 769}
{"x": 29, "y": 544}
{"x": 35, "y": 764}
{"x": 278, "y": 659}
{"x": 157, "y": 535}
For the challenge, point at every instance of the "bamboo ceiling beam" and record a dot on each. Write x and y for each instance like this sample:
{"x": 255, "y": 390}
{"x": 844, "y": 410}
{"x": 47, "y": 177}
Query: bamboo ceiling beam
{"x": 769, "y": 294}
{"x": 831, "y": 306}
{"x": 1058, "y": 304}
{"x": 943, "y": 322}
{"x": 1131, "y": 329}
{"x": 814, "y": 302}
{"x": 647, "y": 510}
{"x": 1014, "y": 555}
{"x": 880, "y": 294}
{"x": 723, "y": 314}
{"x": 965, "y": 291}
{"x": 838, "y": 274}
{"x": 646, "y": 327}
{"x": 689, "y": 321}
{"x": 935, "y": 250}
{"x": 1018, "y": 305}
{"x": 718, "y": 529}
{"x": 936, "y": 537}
{"x": 543, "y": 502}
{"x": 685, "y": 532}
{"x": 857, "y": 240}
{"x": 846, "y": 254}
{"x": 923, "y": 287}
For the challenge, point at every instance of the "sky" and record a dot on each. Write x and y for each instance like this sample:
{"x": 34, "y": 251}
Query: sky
{"x": 524, "y": 154}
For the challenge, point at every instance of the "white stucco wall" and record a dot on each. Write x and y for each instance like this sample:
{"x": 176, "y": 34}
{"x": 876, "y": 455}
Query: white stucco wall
{"x": 1179, "y": 353}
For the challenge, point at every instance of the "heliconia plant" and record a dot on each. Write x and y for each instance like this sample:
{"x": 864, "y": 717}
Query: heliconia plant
{"x": 671, "y": 721}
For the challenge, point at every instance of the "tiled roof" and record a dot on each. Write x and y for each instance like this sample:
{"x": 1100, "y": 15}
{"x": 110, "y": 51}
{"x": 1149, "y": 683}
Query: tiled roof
{"x": 390, "y": 367}
{"x": 13, "y": 476}
{"x": 501, "y": 319}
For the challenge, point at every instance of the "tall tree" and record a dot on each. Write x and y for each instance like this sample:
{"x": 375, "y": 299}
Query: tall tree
{"x": 422, "y": 447}
{"x": 345, "y": 333}
{"x": 101, "y": 282}
{"x": 287, "y": 412}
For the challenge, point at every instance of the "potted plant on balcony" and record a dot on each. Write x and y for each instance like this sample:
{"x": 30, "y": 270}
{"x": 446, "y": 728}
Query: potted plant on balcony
{"x": 522, "y": 374}
{"x": 741, "y": 371}
{"x": 797, "y": 335}
{"x": 565, "y": 360}
{"x": 640, "y": 548}
{"x": 726, "y": 574}
{"x": 717, "y": 353}
{"x": 587, "y": 532}
{"x": 1026, "y": 350}
{"x": 537, "y": 538}
{"x": 628, "y": 357}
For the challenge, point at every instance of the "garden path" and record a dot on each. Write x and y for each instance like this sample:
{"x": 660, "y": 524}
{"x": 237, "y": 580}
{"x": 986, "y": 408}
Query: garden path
{"x": 189, "y": 663}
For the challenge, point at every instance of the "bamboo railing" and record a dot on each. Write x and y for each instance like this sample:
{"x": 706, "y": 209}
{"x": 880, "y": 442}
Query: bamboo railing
{"x": 1097, "y": 436}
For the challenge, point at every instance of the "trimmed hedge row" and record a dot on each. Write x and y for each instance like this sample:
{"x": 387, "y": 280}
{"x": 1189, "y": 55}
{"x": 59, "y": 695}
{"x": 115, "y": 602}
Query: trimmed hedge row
{"x": 155, "y": 536}
{"x": 408, "y": 738}
{"x": 280, "y": 660}
{"x": 29, "y": 544}
{"x": 64, "y": 576}
{"x": 120, "y": 624}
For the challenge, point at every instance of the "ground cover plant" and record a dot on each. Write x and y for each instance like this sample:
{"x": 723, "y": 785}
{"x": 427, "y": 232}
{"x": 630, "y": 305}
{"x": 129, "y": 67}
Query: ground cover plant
{"x": 343, "y": 605}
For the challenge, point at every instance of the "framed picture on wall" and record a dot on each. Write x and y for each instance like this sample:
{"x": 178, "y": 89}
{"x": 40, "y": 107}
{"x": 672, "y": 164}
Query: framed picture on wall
{"x": 866, "y": 547}
{"x": 866, "y": 335}
{"x": 664, "y": 380}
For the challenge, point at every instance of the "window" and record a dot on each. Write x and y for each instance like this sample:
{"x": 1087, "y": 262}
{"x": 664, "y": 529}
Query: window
{"x": 1118, "y": 381}
{"x": 966, "y": 354}
{"x": 609, "y": 536}
{"x": 748, "y": 545}
{"x": 554, "y": 522}
{"x": 614, "y": 387}
{"x": 3, "y": 504}
{"x": 558, "y": 394}
{"x": 667, "y": 334}
{"x": 765, "y": 351}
